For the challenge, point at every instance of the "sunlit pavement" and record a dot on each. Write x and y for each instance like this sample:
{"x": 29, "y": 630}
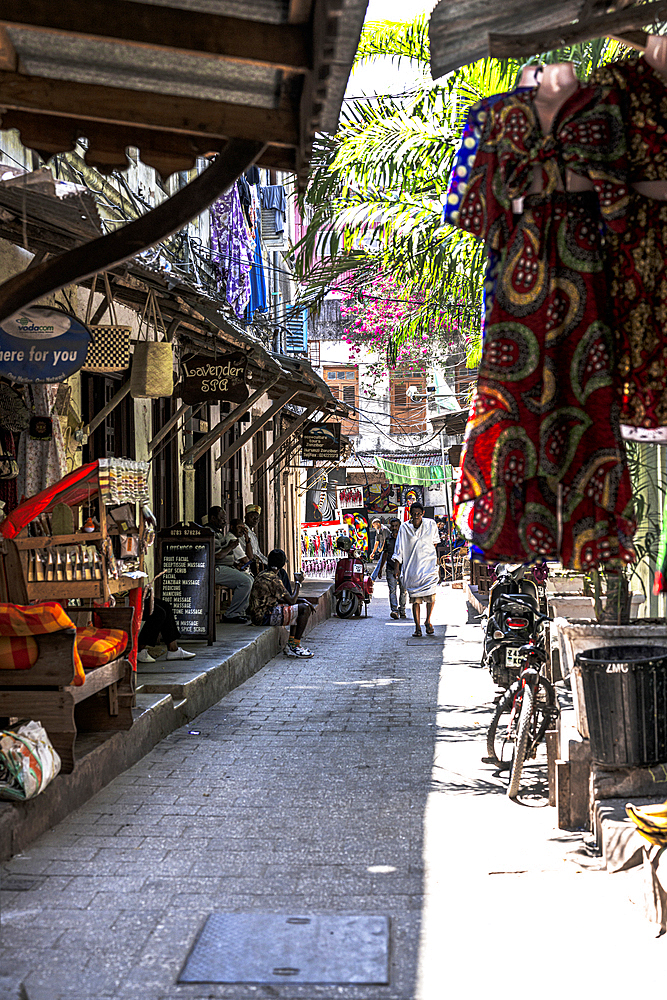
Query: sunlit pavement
{"x": 351, "y": 783}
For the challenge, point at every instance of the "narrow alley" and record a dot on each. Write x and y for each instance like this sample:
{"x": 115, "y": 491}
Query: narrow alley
{"x": 349, "y": 784}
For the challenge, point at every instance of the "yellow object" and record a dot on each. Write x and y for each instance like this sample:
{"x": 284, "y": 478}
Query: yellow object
{"x": 651, "y": 822}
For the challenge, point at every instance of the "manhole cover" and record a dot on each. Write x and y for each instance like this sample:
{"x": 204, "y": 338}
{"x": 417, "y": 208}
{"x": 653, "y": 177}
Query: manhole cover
{"x": 279, "y": 948}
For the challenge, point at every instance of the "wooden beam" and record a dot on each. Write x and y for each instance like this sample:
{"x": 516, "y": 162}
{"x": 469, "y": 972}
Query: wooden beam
{"x": 162, "y": 433}
{"x": 207, "y": 442}
{"x": 147, "y": 109}
{"x": 618, "y": 23}
{"x": 106, "y": 410}
{"x": 292, "y": 429}
{"x": 8, "y": 58}
{"x": 285, "y": 46}
{"x": 122, "y": 244}
{"x": 269, "y": 414}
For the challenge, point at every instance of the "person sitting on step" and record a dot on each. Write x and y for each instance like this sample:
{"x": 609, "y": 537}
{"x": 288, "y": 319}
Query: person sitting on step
{"x": 160, "y": 621}
{"x": 272, "y": 603}
{"x": 227, "y": 570}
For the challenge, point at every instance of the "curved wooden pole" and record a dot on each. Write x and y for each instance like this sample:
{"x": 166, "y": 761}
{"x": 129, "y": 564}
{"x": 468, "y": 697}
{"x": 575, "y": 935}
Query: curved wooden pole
{"x": 125, "y": 243}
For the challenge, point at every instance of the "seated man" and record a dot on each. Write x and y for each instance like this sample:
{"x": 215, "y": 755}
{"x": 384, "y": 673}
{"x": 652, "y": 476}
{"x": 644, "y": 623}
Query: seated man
{"x": 272, "y": 603}
{"x": 252, "y": 513}
{"x": 227, "y": 572}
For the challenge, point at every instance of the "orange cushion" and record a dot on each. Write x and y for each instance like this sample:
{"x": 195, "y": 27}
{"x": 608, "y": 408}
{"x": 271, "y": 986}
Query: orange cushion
{"x": 97, "y": 646}
{"x": 39, "y": 619}
{"x": 18, "y": 652}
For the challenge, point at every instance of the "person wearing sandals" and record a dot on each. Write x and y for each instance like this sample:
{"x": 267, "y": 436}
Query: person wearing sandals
{"x": 272, "y": 603}
{"x": 396, "y": 600}
{"x": 415, "y": 560}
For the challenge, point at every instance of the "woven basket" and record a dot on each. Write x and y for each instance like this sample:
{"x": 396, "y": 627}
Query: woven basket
{"x": 152, "y": 370}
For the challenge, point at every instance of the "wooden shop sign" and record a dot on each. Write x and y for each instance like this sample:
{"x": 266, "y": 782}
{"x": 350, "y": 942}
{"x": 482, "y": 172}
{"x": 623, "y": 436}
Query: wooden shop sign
{"x": 321, "y": 443}
{"x": 209, "y": 378}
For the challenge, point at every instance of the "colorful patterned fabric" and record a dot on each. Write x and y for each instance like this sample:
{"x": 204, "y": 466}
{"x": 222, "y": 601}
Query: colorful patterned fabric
{"x": 39, "y": 619}
{"x": 232, "y": 249}
{"x": 543, "y": 461}
{"x": 638, "y": 256}
{"x": 18, "y": 652}
{"x": 282, "y": 614}
{"x": 267, "y": 592}
{"x": 98, "y": 646}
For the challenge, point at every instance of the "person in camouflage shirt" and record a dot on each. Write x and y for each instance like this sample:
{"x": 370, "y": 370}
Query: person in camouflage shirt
{"x": 272, "y": 602}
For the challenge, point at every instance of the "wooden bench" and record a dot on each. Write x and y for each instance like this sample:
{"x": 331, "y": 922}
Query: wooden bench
{"x": 45, "y": 692}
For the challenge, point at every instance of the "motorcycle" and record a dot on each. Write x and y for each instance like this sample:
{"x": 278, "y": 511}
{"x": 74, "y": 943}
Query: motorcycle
{"x": 352, "y": 589}
{"x": 514, "y": 619}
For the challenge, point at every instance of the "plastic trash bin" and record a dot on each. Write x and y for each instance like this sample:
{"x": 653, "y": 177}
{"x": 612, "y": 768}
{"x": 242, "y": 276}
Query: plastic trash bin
{"x": 625, "y": 690}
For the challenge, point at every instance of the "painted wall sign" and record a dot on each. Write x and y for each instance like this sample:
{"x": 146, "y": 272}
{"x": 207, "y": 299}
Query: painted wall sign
{"x": 40, "y": 344}
{"x": 321, "y": 443}
{"x": 210, "y": 378}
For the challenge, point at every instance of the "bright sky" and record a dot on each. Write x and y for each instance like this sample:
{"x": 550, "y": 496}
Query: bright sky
{"x": 380, "y": 76}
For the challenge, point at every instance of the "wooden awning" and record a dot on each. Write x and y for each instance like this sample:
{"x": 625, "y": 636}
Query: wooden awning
{"x": 461, "y": 31}
{"x": 246, "y": 80}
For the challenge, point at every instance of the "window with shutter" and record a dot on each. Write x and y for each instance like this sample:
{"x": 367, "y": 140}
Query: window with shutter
{"x": 335, "y": 376}
{"x": 407, "y": 417}
{"x": 296, "y": 338}
{"x": 270, "y": 237}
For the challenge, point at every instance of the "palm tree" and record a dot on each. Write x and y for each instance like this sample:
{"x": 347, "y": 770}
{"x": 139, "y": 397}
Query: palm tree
{"x": 375, "y": 200}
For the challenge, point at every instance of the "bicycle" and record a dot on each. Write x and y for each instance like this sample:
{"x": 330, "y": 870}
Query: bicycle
{"x": 531, "y": 704}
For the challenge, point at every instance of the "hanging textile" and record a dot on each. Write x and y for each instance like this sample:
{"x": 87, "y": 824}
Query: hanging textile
{"x": 638, "y": 255}
{"x": 232, "y": 249}
{"x": 41, "y": 463}
{"x": 417, "y": 475}
{"x": 257, "y": 301}
{"x": 543, "y": 460}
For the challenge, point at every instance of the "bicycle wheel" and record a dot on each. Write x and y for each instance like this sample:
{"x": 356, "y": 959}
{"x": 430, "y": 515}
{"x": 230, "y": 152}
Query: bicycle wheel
{"x": 521, "y": 746}
{"x": 499, "y": 739}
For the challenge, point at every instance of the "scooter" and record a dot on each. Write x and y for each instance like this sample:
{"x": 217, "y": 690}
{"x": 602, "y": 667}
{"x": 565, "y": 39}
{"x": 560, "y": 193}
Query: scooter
{"x": 514, "y": 620}
{"x": 352, "y": 588}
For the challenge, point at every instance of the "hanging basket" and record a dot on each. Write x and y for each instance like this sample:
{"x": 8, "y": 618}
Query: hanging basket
{"x": 109, "y": 348}
{"x": 153, "y": 362}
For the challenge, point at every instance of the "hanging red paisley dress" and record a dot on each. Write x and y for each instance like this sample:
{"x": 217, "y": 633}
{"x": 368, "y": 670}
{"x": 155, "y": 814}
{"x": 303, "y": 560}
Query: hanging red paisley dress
{"x": 638, "y": 255}
{"x": 543, "y": 462}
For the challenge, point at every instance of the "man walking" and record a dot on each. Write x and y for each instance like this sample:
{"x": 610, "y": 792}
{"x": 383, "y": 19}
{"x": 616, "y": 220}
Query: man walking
{"x": 394, "y": 582}
{"x": 415, "y": 558}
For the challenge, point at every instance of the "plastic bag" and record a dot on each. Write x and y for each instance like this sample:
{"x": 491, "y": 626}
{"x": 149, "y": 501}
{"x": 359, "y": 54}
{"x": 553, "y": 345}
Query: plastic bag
{"x": 28, "y": 761}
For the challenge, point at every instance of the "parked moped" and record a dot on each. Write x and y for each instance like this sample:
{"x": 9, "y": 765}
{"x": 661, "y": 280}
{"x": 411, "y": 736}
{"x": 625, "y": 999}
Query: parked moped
{"x": 514, "y": 619}
{"x": 352, "y": 588}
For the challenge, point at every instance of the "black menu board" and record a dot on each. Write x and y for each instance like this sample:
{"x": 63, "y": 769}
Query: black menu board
{"x": 186, "y": 568}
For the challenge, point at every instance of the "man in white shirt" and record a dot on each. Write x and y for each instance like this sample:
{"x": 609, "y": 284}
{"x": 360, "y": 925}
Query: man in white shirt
{"x": 415, "y": 558}
{"x": 252, "y": 513}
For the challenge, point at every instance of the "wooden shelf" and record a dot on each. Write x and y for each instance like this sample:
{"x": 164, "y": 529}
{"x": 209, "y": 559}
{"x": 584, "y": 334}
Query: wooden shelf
{"x": 125, "y": 583}
{"x": 60, "y": 590}
{"x": 47, "y": 541}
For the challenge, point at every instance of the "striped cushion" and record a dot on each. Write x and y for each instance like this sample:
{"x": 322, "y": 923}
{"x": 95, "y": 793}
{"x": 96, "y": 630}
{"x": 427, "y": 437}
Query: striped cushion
{"x": 97, "y": 646}
{"x": 18, "y": 652}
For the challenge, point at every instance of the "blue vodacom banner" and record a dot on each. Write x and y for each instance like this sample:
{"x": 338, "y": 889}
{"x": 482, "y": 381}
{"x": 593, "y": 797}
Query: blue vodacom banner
{"x": 40, "y": 344}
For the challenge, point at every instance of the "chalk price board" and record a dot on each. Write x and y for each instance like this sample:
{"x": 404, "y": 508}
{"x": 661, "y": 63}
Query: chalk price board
{"x": 186, "y": 562}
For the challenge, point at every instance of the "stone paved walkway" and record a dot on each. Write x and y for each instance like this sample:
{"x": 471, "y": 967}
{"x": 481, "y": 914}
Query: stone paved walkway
{"x": 349, "y": 783}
